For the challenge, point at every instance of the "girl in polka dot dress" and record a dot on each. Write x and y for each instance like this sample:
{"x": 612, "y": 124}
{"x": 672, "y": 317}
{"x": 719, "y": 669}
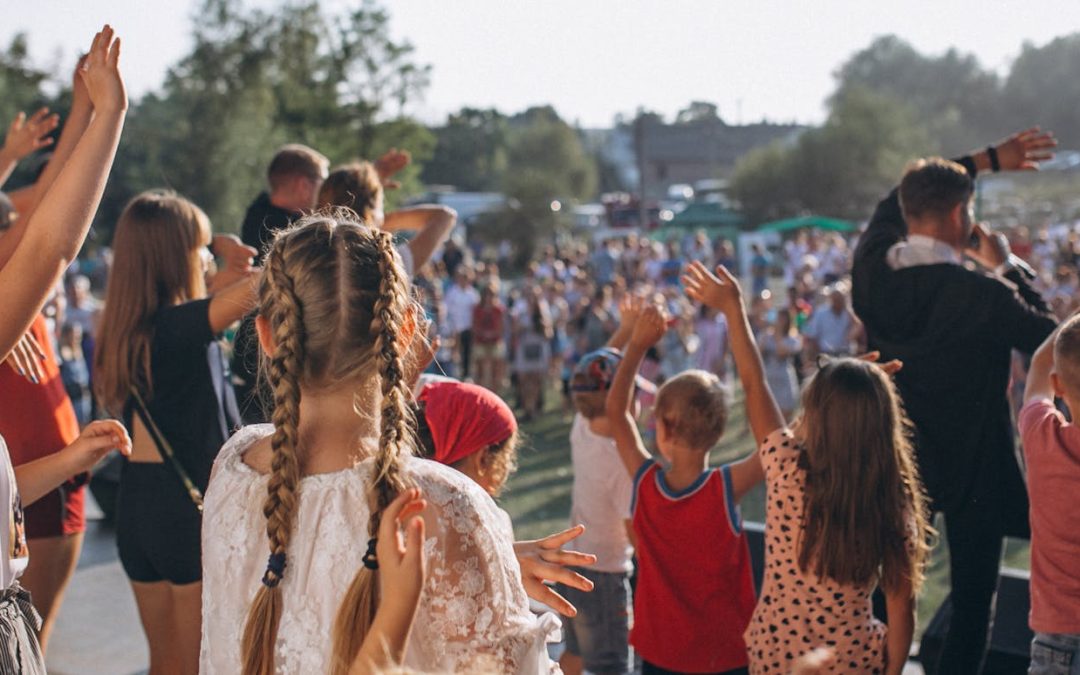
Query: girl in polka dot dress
{"x": 845, "y": 510}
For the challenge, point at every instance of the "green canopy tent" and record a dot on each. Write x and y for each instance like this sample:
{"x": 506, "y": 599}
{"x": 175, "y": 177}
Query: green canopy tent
{"x": 808, "y": 223}
{"x": 715, "y": 220}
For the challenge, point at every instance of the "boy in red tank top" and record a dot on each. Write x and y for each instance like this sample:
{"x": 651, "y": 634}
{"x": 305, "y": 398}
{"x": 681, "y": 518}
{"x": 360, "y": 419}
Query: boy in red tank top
{"x": 695, "y": 592}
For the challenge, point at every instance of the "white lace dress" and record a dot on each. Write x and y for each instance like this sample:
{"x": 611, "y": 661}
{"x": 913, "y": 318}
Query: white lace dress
{"x": 473, "y": 616}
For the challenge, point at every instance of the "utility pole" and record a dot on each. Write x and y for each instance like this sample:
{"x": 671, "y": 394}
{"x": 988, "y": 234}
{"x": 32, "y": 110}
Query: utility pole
{"x": 639, "y": 143}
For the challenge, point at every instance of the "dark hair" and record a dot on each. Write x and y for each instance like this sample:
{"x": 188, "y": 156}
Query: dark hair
{"x": 934, "y": 186}
{"x": 296, "y": 160}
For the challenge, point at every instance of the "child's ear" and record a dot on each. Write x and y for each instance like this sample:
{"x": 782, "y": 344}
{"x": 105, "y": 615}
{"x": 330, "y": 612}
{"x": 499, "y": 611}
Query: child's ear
{"x": 266, "y": 335}
{"x": 1055, "y": 382}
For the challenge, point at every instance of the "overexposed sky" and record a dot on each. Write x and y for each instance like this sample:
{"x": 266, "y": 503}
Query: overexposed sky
{"x": 592, "y": 59}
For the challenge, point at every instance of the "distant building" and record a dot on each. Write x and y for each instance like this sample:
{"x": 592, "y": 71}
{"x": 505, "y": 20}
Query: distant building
{"x": 694, "y": 150}
{"x": 683, "y": 152}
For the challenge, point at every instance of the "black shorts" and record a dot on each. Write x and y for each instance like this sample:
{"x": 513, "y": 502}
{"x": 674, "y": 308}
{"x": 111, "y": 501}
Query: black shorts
{"x": 158, "y": 527}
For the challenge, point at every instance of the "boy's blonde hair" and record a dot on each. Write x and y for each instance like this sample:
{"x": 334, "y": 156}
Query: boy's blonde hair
{"x": 1067, "y": 355}
{"x": 693, "y": 406}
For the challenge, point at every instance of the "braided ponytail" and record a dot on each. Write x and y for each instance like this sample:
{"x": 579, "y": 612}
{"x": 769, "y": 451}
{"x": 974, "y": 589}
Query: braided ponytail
{"x": 358, "y": 607}
{"x": 260, "y": 631}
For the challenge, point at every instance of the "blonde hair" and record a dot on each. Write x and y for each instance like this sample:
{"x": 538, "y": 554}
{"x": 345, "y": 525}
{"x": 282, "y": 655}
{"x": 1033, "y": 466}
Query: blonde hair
{"x": 337, "y": 302}
{"x": 355, "y": 186}
{"x": 156, "y": 264}
{"x": 1067, "y": 355}
{"x": 862, "y": 485}
{"x": 693, "y": 407}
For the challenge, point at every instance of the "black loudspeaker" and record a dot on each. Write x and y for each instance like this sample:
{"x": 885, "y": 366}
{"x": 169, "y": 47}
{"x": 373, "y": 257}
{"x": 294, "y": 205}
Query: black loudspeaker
{"x": 755, "y": 538}
{"x": 1010, "y": 641}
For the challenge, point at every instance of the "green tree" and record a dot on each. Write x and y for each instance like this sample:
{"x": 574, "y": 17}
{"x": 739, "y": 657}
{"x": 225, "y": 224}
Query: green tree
{"x": 1043, "y": 88}
{"x": 470, "y": 150}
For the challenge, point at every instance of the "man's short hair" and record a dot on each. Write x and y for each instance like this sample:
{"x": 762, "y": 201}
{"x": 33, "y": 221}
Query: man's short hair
{"x": 296, "y": 160}
{"x": 934, "y": 186}
{"x": 1067, "y": 355}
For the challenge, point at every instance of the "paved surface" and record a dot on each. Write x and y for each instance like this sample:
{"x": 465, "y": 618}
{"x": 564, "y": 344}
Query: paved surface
{"x": 98, "y": 631}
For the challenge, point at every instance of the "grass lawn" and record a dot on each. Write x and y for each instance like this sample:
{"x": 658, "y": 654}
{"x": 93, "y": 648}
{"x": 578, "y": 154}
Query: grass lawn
{"x": 538, "y": 496}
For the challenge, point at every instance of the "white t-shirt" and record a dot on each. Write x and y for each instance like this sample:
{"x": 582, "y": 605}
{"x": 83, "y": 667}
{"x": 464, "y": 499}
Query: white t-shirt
{"x": 601, "y": 498}
{"x": 460, "y": 303}
{"x": 13, "y": 536}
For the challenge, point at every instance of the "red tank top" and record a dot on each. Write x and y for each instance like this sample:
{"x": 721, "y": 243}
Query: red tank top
{"x": 695, "y": 591}
{"x": 36, "y": 419}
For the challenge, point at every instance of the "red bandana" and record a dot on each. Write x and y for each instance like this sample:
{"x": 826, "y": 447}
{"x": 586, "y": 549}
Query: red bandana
{"x": 464, "y": 418}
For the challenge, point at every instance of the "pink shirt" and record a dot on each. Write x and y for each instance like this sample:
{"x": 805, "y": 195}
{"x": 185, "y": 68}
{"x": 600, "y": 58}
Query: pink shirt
{"x": 1052, "y": 451}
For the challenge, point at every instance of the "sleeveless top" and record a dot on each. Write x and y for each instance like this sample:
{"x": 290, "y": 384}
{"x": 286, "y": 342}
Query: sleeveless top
{"x": 473, "y": 615}
{"x": 695, "y": 592}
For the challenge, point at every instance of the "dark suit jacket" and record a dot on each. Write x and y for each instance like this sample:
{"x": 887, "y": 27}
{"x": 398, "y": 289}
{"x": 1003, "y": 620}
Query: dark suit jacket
{"x": 954, "y": 328}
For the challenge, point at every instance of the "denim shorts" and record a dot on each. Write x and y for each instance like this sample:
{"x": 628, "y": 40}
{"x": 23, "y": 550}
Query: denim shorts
{"x": 1055, "y": 654}
{"x": 600, "y": 633}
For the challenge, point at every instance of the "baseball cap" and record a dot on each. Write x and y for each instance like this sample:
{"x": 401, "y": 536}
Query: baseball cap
{"x": 596, "y": 371}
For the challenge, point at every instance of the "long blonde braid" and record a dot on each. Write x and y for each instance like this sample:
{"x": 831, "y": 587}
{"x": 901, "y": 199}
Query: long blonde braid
{"x": 396, "y": 440}
{"x": 260, "y": 631}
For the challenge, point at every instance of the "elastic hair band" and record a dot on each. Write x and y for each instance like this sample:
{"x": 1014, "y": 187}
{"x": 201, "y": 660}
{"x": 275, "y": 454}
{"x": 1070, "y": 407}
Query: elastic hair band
{"x": 275, "y": 570}
{"x": 371, "y": 561}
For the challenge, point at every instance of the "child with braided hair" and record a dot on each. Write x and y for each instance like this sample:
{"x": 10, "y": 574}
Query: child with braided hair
{"x": 337, "y": 321}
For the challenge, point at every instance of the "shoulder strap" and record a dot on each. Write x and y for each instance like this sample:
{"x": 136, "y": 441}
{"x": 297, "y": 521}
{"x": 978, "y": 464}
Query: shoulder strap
{"x": 166, "y": 450}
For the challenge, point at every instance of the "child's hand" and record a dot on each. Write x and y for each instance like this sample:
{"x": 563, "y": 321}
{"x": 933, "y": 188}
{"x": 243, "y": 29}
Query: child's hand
{"x": 24, "y": 136}
{"x": 720, "y": 291}
{"x": 234, "y": 252}
{"x": 101, "y": 73}
{"x": 26, "y": 358}
{"x": 97, "y": 440}
{"x": 402, "y": 568}
{"x": 79, "y": 94}
{"x": 650, "y": 327}
{"x": 543, "y": 560}
{"x": 630, "y": 309}
{"x": 890, "y": 367}
{"x": 392, "y": 161}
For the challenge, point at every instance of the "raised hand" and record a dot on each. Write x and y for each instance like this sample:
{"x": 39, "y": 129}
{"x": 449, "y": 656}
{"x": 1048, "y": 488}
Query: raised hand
{"x": 720, "y": 291}
{"x": 890, "y": 367}
{"x": 1024, "y": 150}
{"x": 993, "y": 249}
{"x": 97, "y": 440}
{"x": 234, "y": 252}
{"x": 402, "y": 567}
{"x": 26, "y": 358}
{"x": 543, "y": 560}
{"x": 79, "y": 94}
{"x": 650, "y": 327}
{"x": 392, "y": 161}
{"x": 24, "y": 136}
{"x": 100, "y": 72}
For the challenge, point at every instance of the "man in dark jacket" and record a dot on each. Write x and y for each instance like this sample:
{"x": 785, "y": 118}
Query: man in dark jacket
{"x": 954, "y": 326}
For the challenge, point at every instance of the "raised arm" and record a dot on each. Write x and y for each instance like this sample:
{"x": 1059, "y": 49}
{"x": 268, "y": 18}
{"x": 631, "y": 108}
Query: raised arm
{"x": 56, "y": 229}
{"x": 721, "y": 291}
{"x": 630, "y": 307}
{"x": 24, "y": 136}
{"x": 650, "y": 327}
{"x": 432, "y": 224}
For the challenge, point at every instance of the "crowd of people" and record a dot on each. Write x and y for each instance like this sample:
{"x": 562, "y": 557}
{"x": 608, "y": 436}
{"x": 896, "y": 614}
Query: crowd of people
{"x": 316, "y": 493}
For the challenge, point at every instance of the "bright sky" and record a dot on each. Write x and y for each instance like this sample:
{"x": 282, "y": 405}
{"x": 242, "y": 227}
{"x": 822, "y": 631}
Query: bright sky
{"x": 594, "y": 58}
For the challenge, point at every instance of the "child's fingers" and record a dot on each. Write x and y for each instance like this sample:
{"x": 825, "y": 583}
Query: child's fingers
{"x": 562, "y": 575}
{"x": 114, "y": 54}
{"x": 414, "y": 543}
{"x": 571, "y": 558}
{"x": 723, "y": 274}
{"x": 560, "y": 539}
{"x": 549, "y": 597}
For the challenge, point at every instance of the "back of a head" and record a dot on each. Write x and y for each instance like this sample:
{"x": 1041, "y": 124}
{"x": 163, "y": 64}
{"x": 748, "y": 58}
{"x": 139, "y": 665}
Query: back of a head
{"x": 336, "y": 299}
{"x": 862, "y": 486}
{"x": 693, "y": 407}
{"x": 1067, "y": 357}
{"x": 295, "y": 160}
{"x": 354, "y": 186}
{"x": 156, "y": 263}
{"x": 932, "y": 187}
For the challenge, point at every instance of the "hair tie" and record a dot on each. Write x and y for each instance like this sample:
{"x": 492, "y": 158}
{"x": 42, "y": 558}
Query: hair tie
{"x": 275, "y": 570}
{"x": 371, "y": 561}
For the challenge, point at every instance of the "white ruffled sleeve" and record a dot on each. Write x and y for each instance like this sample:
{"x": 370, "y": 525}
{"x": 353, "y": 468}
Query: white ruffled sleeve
{"x": 474, "y": 614}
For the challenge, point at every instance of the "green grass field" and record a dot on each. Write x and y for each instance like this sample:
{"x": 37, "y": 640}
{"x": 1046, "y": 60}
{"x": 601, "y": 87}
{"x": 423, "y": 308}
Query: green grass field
{"x": 538, "y": 496}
